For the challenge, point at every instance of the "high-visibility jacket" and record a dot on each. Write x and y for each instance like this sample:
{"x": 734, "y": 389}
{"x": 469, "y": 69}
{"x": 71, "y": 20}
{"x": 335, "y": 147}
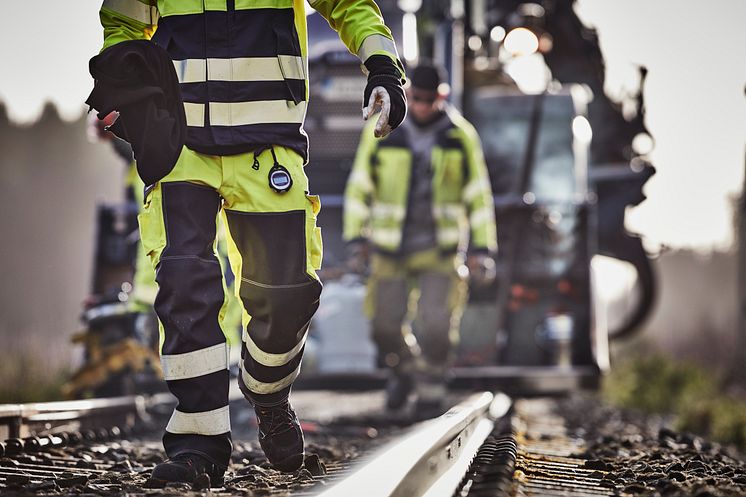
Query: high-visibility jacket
{"x": 377, "y": 192}
{"x": 242, "y": 64}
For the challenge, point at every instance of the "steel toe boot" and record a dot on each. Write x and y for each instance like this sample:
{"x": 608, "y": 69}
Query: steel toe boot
{"x": 187, "y": 468}
{"x": 280, "y": 436}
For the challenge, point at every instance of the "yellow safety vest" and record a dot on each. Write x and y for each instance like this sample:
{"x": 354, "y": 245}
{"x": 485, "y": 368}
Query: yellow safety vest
{"x": 379, "y": 184}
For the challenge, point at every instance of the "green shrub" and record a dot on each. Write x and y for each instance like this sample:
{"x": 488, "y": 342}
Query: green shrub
{"x": 658, "y": 384}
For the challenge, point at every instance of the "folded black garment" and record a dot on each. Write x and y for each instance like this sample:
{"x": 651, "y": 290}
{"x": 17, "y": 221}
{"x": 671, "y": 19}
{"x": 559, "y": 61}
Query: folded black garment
{"x": 137, "y": 79}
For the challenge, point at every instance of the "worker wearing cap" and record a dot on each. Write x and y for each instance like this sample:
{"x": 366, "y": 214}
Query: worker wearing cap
{"x": 419, "y": 198}
{"x": 243, "y": 79}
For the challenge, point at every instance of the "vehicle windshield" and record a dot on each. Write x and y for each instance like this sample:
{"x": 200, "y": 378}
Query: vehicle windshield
{"x": 503, "y": 125}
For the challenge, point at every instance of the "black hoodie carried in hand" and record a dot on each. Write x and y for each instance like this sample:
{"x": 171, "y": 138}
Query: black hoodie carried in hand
{"x": 137, "y": 79}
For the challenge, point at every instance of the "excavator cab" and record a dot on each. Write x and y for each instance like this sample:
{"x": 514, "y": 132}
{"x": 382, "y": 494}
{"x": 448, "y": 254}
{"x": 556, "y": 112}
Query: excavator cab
{"x": 539, "y": 314}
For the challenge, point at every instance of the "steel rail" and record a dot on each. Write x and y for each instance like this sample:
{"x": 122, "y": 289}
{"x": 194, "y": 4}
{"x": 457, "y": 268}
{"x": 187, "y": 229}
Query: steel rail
{"x": 19, "y": 420}
{"x": 432, "y": 458}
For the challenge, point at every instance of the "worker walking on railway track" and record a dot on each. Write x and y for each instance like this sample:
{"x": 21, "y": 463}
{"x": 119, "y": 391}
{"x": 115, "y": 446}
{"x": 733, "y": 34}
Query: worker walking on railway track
{"x": 412, "y": 197}
{"x": 223, "y": 135}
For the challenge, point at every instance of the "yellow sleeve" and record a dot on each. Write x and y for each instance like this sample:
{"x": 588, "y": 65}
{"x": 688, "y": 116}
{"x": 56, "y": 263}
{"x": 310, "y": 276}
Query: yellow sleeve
{"x": 125, "y": 20}
{"x": 360, "y": 26}
{"x": 360, "y": 188}
{"x": 477, "y": 193}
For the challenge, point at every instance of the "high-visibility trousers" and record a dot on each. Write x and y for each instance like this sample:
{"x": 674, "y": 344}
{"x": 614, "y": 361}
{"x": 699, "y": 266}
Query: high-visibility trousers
{"x": 145, "y": 288}
{"x": 423, "y": 288}
{"x": 274, "y": 248}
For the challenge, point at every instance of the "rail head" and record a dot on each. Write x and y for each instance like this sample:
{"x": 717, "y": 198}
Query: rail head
{"x": 434, "y": 455}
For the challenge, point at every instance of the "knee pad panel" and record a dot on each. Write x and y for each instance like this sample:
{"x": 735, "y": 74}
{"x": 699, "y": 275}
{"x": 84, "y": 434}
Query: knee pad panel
{"x": 189, "y": 213}
{"x": 272, "y": 246}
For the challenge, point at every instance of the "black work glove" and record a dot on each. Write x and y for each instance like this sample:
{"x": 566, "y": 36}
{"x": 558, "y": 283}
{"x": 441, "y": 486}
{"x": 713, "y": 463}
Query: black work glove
{"x": 384, "y": 91}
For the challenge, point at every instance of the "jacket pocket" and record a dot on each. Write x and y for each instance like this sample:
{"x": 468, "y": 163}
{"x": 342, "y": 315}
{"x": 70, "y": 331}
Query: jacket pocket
{"x": 289, "y": 59}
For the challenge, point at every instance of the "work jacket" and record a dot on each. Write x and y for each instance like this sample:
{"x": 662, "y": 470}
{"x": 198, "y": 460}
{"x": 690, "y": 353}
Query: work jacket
{"x": 378, "y": 189}
{"x": 242, "y": 64}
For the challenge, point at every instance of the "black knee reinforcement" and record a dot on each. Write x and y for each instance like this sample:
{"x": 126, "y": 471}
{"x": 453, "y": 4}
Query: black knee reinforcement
{"x": 188, "y": 274}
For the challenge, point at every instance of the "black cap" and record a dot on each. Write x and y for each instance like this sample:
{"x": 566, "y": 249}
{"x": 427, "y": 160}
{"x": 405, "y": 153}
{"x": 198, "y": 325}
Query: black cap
{"x": 427, "y": 75}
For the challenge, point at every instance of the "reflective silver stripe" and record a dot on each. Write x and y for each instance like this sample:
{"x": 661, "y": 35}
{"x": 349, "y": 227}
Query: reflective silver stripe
{"x": 343, "y": 123}
{"x": 260, "y": 387}
{"x": 197, "y": 363}
{"x": 481, "y": 216}
{"x": 134, "y": 10}
{"x": 357, "y": 208}
{"x": 376, "y": 43}
{"x": 268, "y": 358}
{"x": 195, "y": 114}
{"x": 263, "y": 111}
{"x": 362, "y": 180}
{"x": 448, "y": 236}
{"x": 293, "y": 67}
{"x": 394, "y": 211}
{"x": 449, "y": 211}
{"x": 475, "y": 188}
{"x": 241, "y": 69}
{"x": 212, "y": 422}
{"x": 386, "y": 237}
{"x": 191, "y": 70}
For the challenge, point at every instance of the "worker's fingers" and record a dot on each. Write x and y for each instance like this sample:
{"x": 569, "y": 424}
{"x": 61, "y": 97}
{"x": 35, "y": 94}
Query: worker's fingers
{"x": 382, "y": 125}
{"x": 373, "y": 104}
{"x": 379, "y": 99}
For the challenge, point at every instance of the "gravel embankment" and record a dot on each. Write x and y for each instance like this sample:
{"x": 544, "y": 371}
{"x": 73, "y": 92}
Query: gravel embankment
{"x": 644, "y": 456}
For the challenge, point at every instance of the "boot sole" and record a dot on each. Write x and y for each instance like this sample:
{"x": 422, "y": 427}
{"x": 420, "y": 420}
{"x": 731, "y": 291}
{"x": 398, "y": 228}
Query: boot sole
{"x": 161, "y": 483}
{"x": 289, "y": 464}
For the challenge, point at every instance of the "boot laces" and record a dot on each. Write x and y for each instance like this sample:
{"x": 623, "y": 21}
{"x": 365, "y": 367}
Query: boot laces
{"x": 276, "y": 419}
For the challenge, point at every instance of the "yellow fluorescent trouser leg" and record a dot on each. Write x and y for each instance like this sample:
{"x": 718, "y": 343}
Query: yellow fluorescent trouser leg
{"x": 276, "y": 282}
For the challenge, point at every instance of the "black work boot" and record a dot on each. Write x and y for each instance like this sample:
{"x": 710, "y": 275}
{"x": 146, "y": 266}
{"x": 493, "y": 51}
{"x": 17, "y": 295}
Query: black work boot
{"x": 430, "y": 397}
{"x": 398, "y": 388}
{"x": 431, "y": 391}
{"x": 186, "y": 468}
{"x": 280, "y": 436}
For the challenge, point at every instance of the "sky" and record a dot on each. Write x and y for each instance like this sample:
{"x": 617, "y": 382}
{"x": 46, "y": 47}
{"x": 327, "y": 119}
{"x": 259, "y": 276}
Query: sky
{"x": 695, "y": 53}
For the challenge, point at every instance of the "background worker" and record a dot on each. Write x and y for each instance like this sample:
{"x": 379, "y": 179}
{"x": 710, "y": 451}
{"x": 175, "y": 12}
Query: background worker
{"x": 411, "y": 196}
{"x": 242, "y": 73}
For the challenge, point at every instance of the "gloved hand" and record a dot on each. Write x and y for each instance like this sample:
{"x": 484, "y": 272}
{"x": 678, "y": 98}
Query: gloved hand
{"x": 482, "y": 269}
{"x": 384, "y": 91}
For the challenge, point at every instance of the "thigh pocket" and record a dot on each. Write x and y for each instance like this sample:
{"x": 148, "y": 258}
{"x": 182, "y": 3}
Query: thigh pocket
{"x": 314, "y": 242}
{"x": 152, "y": 228}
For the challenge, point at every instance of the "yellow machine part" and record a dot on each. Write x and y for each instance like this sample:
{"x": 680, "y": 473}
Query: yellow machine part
{"x": 104, "y": 362}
